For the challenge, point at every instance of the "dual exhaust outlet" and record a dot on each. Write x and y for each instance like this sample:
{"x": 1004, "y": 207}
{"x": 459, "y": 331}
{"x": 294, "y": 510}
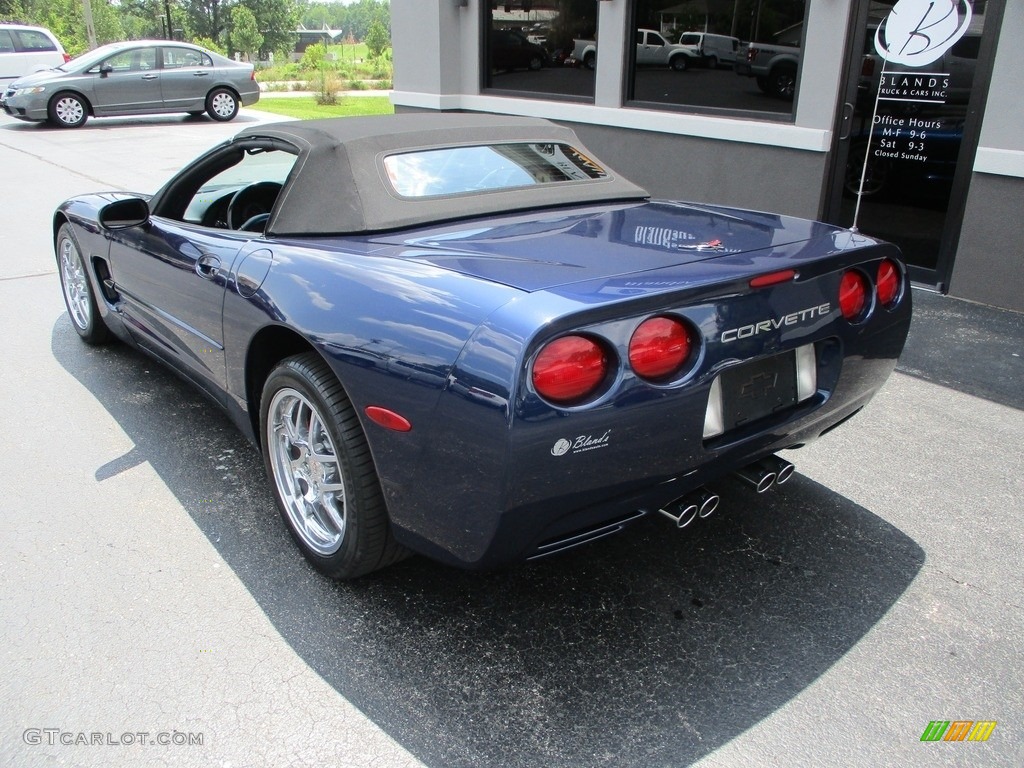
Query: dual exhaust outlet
{"x": 762, "y": 476}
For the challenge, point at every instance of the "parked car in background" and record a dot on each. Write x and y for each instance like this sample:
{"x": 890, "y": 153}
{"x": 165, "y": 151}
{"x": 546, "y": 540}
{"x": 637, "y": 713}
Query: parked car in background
{"x": 463, "y": 335}
{"x": 511, "y": 50}
{"x": 24, "y": 50}
{"x": 714, "y": 50}
{"x": 652, "y": 50}
{"x": 774, "y": 65}
{"x": 132, "y": 78}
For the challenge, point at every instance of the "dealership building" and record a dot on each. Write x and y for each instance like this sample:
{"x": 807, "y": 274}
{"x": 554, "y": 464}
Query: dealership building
{"x": 905, "y": 119}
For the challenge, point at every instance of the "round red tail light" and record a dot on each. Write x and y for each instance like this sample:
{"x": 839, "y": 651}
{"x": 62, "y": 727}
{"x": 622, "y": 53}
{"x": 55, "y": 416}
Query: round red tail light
{"x": 853, "y": 295}
{"x": 569, "y": 369}
{"x": 887, "y": 284}
{"x": 659, "y": 348}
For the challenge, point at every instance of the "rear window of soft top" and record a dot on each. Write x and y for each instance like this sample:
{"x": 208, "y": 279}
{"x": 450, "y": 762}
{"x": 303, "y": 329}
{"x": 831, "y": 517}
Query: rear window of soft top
{"x": 471, "y": 169}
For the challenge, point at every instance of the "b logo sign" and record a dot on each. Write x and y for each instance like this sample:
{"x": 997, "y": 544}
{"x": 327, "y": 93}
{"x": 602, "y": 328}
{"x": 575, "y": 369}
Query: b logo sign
{"x": 918, "y": 32}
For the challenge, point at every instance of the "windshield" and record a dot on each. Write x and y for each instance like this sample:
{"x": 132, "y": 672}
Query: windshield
{"x": 90, "y": 59}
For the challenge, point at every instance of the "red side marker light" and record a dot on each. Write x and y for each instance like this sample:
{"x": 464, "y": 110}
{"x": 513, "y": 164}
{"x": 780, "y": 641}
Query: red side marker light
{"x": 773, "y": 278}
{"x": 388, "y": 419}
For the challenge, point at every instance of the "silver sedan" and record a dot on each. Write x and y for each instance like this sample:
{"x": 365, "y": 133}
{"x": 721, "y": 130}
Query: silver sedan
{"x": 131, "y": 78}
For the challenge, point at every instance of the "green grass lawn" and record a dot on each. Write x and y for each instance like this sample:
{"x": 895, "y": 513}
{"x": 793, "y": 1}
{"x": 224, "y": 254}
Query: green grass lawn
{"x": 306, "y": 108}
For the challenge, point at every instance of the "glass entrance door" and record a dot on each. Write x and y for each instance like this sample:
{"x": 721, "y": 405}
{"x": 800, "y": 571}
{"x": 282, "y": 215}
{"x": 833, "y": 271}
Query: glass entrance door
{"x": 903, "y": 156}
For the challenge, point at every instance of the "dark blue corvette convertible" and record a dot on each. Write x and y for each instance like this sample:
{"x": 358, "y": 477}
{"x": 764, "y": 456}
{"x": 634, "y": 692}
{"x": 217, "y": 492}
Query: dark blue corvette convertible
{"x": 465, "y": 336}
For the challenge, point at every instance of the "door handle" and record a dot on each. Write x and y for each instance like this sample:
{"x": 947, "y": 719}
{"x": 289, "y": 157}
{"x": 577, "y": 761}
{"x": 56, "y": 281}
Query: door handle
{"x": 208, "y": 267}
{"x": 847, "y": 122}
{"x": 199, "y": 74}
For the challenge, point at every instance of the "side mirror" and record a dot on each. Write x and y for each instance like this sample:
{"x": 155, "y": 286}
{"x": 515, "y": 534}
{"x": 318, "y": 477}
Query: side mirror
{"x": 124, "y": 214}
{"x": 106, "y": 69}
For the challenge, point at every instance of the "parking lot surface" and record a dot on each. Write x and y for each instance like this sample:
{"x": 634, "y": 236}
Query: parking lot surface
{"x": 150, "y": 592}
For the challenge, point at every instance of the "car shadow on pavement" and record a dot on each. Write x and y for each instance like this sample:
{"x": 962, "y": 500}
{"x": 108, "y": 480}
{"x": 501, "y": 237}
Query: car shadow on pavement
{"x": 652, "y": 648}
{"x": 131, "y": 121}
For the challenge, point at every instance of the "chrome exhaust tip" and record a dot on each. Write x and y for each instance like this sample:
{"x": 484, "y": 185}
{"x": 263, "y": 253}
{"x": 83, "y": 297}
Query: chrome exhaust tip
{"x": 686, "y": 509}
{"x": 757, "y": 476}
{"x": 684, "y": 514}
{"x": 708, "y": 502}
{"x": 783, "y": 469}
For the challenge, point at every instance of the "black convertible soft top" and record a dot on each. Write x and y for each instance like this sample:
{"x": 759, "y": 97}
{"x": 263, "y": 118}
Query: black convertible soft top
{"x": 339, "y": 183}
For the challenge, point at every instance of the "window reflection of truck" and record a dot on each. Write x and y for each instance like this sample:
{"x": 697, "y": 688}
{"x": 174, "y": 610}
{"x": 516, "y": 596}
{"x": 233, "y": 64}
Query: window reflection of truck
{"x": 714, "y": 50}
{"x": 652, "y": 50}
{"x": 774, "y": 65}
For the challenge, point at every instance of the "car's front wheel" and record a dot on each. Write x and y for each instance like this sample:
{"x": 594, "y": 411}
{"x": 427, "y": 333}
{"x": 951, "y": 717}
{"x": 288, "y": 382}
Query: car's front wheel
{"x": 323, "y": 474}
{"x": 678, "y": 64}
{"x": 68, "y": 110}
{"x": 78, "y": 294}
{"x": 221, "y": 104}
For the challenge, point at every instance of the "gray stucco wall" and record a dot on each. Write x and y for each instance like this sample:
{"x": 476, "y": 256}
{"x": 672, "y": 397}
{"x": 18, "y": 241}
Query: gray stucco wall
{"x": 990, "y": 258}
{"x": 989, "y": 265}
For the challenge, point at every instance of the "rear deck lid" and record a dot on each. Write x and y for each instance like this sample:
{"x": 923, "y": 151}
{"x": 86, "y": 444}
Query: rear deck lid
{"x": 542, "y": 250}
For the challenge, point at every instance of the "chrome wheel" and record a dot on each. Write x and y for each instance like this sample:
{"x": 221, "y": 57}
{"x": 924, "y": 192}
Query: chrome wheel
{"x": 322, "y": 471}
{"x": 306, "y": 471}
{"x": 75, "y": 283}
{"x": 78, "y": 292}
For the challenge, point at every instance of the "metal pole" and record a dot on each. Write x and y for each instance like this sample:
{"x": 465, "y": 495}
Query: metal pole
{"x": 170, "y": 27}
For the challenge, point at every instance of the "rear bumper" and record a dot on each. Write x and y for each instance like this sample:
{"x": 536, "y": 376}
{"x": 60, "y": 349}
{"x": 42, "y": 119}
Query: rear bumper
{"x": 551, "y": 500}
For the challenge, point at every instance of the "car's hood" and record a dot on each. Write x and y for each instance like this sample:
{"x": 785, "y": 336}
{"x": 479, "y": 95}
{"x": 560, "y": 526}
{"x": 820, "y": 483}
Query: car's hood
{"x": 536, "y": 252}
{"x": 42, "y": 77}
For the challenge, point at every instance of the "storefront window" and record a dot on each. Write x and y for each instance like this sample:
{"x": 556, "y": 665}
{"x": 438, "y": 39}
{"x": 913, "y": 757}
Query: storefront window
{"x": 528, "y": 48}
{"x": 741, "y": 56}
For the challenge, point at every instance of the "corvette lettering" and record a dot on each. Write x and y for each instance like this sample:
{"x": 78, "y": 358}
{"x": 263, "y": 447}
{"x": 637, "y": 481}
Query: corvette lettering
{"x": 765, "y": 326}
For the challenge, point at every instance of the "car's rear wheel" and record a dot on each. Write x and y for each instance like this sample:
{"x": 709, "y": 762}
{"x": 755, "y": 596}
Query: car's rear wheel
{"x": 323, "y": 474}
{"x": 536, "y": 62}
{"x": 78, "y": 294}
{"x": 678, "y": 63}
{"x": 782, "y": 83}
{"x": 222, "y": 104}
{"x": 68, "y": 110}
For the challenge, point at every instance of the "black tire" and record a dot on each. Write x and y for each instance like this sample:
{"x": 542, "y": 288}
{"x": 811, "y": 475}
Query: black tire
{"x": 536, "y": 62}
{"x": 589, "y": 61}
{"x": 713, "y": 62}
{"x": 222, "y": 104}
{"x": 762, "y": 83}
{"x": 324, "y": 479}
{"x": 68, "y": 110}
{"x": 679, "y": 63}
{"x": 782, "y": 83}
{"x": 76, "y": 286}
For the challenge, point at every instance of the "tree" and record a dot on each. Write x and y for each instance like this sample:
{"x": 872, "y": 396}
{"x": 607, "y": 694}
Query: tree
{"x": 11, "y": 10}
{"x": 245, "y": 34}
{"x": 65, "y": 19}
{"x": 377, "y": 39}
{"x": 276, "y": 20}
{"x": 205, "y": 18}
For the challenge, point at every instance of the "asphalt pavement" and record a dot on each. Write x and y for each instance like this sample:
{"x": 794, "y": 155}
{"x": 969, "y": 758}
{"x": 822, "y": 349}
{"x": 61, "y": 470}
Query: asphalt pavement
{"x": 149, "y": 591}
